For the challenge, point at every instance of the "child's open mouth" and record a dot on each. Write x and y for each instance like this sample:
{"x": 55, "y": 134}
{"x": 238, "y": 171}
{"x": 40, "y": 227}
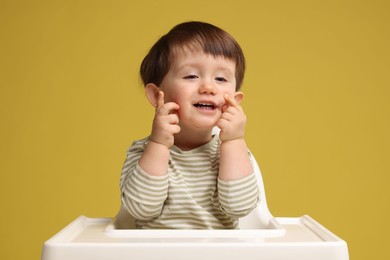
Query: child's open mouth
{"x": 205, "y": 105}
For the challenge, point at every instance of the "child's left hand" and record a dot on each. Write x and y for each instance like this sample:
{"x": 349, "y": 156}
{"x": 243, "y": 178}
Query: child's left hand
{"x": 232, "y": 122}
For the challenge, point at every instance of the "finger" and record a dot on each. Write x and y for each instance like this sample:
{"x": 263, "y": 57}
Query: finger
{"x": 173, "y": 119}
{"x": 168, "y": 108}
{"x": 230, "y": 110}
{"x": 160, "y": 99}
{"x": 231, "y": 101}
{"x": 224, "y": 108}
{"x": 222, "y": 124}
{"x": 229, "y": 116}
{"x": 175, "y": 129}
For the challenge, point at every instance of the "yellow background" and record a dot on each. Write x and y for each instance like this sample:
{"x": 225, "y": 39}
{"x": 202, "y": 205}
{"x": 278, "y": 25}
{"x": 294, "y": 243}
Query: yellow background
{"x": 317, "y": 101}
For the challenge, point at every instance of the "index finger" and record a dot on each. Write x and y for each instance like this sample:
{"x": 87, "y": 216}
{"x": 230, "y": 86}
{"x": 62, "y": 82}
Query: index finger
{"x": 231, "y": 101}
{"x": 160, "y": 99}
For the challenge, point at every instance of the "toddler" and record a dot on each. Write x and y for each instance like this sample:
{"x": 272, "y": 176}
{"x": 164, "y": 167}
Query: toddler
{"x": 182, "y": 175}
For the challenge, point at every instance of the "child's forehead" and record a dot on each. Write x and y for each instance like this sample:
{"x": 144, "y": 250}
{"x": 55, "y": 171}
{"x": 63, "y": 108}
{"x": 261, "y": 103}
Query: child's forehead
{"x": 185, "y": 50}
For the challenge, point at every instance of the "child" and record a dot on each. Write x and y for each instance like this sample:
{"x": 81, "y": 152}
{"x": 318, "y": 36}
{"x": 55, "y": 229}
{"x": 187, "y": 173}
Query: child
{"x": 182, "y": 176}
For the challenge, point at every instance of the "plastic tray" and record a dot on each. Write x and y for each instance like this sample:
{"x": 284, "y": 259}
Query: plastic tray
{"x": 292, "y": 238}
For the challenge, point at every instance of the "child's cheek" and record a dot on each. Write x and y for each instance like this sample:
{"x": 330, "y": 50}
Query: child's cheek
{"x": 176, "y": 99}
{"x": 169, "y": 98}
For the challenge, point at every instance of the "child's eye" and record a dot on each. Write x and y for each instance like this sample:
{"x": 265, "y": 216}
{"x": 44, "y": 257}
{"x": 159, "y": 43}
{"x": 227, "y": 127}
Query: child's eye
{"x": 222, "y": 79}
{"x": 191, "y": 77}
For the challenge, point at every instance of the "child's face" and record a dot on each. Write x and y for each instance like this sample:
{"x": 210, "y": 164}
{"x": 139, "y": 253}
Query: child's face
{"x": 197, "y": 82}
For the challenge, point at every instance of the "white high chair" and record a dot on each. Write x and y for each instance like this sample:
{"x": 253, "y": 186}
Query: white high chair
{"x": 261, "y": 236}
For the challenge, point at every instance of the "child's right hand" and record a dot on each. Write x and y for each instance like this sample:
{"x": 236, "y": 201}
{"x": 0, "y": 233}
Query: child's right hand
{"x": 165, "y": 122}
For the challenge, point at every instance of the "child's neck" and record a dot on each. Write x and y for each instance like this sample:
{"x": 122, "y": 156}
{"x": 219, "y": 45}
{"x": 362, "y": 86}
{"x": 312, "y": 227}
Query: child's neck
{"x": 187, "y": 140}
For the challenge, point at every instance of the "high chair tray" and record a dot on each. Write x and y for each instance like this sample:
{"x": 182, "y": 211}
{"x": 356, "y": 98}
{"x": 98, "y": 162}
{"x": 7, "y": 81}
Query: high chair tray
{"x": 292, "y": 238}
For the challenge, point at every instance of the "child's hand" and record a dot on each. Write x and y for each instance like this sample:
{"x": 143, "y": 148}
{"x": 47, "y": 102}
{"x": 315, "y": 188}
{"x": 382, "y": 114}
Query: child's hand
{"x": 165, "y": 122}
{"x": 232, "y": 122}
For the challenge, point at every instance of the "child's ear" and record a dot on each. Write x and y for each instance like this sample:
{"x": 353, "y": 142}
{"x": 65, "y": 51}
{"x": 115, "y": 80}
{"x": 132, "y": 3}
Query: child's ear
{"x": 151, "y": 91}
{"x": 238, "y": 96}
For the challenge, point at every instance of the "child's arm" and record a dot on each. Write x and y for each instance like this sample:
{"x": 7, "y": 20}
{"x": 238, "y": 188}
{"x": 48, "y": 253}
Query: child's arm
{"x": 145, "y": 182}
{"x": 237, "y": 184}
{"x": 234, "y": 157}
{"x": 154, "y": 160}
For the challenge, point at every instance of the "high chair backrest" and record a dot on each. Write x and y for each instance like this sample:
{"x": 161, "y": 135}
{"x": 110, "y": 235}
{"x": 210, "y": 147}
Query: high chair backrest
{"x": 259, "y": 218}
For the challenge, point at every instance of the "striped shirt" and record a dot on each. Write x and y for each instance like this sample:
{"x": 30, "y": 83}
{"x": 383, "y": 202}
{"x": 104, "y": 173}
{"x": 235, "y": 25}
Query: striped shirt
{"x": 190, "y": 196}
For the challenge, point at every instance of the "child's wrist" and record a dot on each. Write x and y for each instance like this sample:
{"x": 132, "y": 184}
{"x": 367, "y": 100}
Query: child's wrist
{"x": 158, "y": 143}
{"x": 233, "y": 140}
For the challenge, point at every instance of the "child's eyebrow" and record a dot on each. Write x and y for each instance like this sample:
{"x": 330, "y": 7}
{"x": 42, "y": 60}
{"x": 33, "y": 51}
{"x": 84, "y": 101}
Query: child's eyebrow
{"x": 187, "y": 65}
{"x": 225, "y": 69}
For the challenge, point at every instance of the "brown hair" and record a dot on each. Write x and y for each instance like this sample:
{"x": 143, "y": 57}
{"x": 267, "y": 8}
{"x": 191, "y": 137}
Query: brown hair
{"x": 209, "y": 38}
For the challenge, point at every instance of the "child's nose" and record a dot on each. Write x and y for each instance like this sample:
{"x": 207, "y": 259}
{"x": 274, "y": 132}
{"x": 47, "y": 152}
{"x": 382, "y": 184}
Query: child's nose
{"x": 207, "y": 87}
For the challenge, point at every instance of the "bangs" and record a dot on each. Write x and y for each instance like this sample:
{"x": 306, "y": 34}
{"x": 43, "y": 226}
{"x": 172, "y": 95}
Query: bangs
{"x": 210, "y": 43}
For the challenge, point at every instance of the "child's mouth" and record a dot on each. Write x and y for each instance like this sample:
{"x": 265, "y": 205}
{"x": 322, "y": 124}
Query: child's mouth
{"x": 205, "y": 105}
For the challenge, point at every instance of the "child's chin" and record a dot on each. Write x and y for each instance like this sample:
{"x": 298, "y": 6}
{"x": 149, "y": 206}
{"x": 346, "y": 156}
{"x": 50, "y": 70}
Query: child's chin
{"x": 205, "y": 127}
{"x": 203, "y": 124}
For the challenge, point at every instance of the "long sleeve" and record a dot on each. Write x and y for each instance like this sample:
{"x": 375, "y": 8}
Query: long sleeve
{"x": 238, "y": 197}
{"x": 143, "y": 195}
